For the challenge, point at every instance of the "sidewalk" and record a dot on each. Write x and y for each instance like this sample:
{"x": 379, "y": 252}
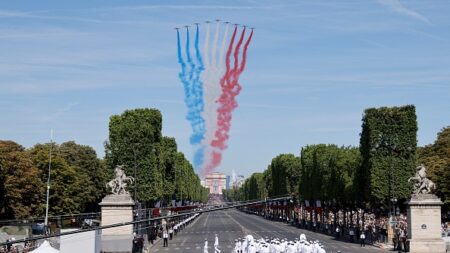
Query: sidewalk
{"x": 150, "y": 246}
{"x": 383, "y": 246}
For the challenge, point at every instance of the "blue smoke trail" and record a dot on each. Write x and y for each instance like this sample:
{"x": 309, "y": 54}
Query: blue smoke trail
{"x": 198, "y": 90}
{"x": 193, "y": 89}
{"x": 182, "y": 74}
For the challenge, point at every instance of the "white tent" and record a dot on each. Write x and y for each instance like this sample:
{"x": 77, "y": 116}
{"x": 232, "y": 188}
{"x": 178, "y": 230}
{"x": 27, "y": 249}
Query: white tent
{"x": 45, "y": 248}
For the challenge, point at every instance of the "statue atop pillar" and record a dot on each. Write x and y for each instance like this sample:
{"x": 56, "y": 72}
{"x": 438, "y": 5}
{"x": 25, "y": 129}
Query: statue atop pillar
{"x": 422, "y": 185}
{"x": 118, "y": 184}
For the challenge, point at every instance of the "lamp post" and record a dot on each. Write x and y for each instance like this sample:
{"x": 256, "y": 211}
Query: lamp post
{"x": 48, "y": 181}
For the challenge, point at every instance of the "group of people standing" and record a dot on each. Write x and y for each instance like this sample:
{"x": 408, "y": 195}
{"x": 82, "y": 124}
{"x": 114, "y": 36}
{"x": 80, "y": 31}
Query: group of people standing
{"x": 166, "y": 230}
{"x": 275, "y": 245}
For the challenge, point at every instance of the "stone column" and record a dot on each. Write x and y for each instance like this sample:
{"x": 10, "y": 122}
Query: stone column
{"x": 117, "y": 209}
{"x": 424, "y": 224}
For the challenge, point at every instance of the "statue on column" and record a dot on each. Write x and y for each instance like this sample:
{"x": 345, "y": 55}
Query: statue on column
{"x": 422, "y": 185}
{"x": 118, "y": 184}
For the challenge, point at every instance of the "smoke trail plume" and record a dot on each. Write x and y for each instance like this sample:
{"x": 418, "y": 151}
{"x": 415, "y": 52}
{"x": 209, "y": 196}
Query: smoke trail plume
{"x": 193, "y": 94}
{"x": 230, "y": 90}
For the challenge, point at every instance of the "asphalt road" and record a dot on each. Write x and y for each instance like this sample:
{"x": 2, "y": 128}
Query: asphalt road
{"x": 232, "y": 224}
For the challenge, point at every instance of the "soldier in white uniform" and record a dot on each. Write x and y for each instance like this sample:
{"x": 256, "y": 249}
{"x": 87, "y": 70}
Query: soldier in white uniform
{"x": 321, "y": 249}
{"x": 283, "y": 245}
{"x": 244, "y": 245}
{"x": 251, "y": 248}
{"x": 205, "y": 248}
{"x": 236, "y": 246}
{"x": 291, "y": 247}
{"x": 216, "y": 245}
{"x": 264, "y": 248}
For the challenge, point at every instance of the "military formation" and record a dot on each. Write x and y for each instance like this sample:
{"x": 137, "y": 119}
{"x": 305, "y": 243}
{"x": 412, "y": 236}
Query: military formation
{"x": 274, "y": 245}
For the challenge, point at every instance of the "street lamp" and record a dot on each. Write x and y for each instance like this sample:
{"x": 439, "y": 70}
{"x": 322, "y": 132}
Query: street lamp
{"x": 48, "y": 181}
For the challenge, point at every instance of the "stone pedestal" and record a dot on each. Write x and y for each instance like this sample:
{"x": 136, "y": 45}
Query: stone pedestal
{"x": 424, "y": 224}
{"x": 117, "y": 209}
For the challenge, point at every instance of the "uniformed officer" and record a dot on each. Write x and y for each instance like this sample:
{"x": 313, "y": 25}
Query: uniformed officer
{"x": 264, "y": 248}
{"x": 205, "y": 248}
{"x": 216, "y": 245}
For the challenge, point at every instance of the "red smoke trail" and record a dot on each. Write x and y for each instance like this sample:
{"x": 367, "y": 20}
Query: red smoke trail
{"x": 230, "y": 90}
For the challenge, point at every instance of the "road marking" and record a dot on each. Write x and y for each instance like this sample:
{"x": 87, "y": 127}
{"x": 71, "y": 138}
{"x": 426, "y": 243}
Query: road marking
{"x": 244, "y": 230}
{"x": 206, "y": 220}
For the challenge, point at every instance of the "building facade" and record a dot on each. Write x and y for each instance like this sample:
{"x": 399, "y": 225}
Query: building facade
{"x": 216, "y": 182}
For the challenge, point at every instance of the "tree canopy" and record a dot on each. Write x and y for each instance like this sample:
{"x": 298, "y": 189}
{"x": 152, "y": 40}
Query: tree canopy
{"x": 21, "y": 190}
{"x": 160, "y": 171}
{"x": 436, "y": 158}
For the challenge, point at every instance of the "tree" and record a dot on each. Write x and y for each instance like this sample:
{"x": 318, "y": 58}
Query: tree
{"x": 21, "y": 190}
{"x": 66, "y": 184}
{"x": 92, "y": 172}
{"x": 388, "y": 145}
{"x": 134, "y": 138}
{"x": 284, "y": 172}
{"x": 436, "y": 158}
{"x": 167, "y": 160}
{"x": 327, "y": 174}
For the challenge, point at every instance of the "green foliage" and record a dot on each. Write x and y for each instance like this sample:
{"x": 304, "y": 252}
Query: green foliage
{"x": 327, "y": 173}
{"x": 436, "y": 158}
{"x": 77, "y": 178}
{"x": 93, "y": 175}
{"x": 388, "y": 145}
{"x": 162, "y": 173}
{"x": 285, "y": 173}
{"x": 134, "y": 141}
{"x": 21, "y": 190}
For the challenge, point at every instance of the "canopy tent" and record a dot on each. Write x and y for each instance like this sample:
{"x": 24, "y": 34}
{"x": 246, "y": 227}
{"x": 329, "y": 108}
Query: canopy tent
{"x": 45, "y": 248}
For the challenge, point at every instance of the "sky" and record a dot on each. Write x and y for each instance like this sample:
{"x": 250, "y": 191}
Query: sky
{"x": 313, "y": 68}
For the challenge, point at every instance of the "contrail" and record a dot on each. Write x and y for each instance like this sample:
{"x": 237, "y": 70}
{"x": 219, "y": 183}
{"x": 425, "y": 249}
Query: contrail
{"x": 230, "y": 90}
{"x": 198, "y": 94}
{"x": 193, "y": 96}
{"x": 210, "y": 79}
{"x": 216, "y": 155}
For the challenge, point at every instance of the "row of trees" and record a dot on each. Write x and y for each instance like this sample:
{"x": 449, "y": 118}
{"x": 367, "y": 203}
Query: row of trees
{"x": 79, "y": 177}
{"x": 369, "y": 176}
{"x": 161, "y": 172}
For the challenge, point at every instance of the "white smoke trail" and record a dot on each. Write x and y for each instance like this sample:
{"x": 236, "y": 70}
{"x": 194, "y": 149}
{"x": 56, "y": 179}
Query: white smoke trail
{"x": 212, "y": 84}
{"x": 221, "y": 64}
{"x": 207, "y": 96}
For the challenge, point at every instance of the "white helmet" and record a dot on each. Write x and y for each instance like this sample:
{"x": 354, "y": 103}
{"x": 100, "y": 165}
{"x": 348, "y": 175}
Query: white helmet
{"x": 302, "y": 237}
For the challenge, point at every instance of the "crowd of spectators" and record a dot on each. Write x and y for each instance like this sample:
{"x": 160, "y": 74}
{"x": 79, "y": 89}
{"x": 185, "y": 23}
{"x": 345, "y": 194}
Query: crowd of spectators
{"x": 375, "y": 228}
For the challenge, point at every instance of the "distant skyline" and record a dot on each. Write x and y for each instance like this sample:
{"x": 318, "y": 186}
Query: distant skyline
{"x": 313, "y": 68}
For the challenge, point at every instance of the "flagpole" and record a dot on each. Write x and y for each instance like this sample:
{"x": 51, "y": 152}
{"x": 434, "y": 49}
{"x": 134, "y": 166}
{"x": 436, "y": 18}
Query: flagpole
{"x": 48, "y": 179}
